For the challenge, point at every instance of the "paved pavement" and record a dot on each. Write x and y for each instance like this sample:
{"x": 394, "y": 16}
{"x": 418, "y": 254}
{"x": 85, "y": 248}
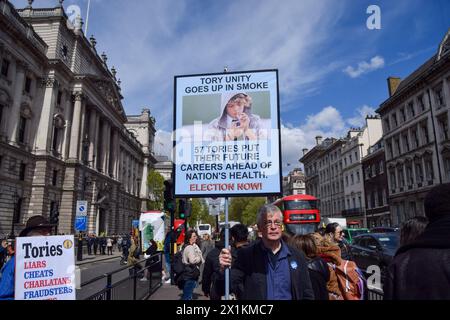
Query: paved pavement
{"x": 95, "y": 258}
{"x": 171, "y": 292}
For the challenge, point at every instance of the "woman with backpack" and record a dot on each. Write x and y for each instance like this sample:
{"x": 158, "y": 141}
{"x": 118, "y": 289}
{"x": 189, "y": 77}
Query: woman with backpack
{"x": 317, "y": 267}
{"x": 346, "y": 281}
{"x": 192, "y": 259}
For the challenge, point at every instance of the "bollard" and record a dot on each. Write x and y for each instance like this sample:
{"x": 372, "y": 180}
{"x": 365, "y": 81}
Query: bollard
{"x": 77, "y": 277}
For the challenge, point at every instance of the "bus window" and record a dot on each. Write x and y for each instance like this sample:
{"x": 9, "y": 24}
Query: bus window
{"x": 300, "y": 205}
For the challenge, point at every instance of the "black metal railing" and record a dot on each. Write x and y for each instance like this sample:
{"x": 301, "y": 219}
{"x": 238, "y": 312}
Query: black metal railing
{"x": 130, "y": 287}
{"x": 374, "y": 294}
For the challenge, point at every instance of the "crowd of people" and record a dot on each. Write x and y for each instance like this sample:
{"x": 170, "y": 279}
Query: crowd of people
{"x": 319, "y": 266}
{"x": 278, "y": 266}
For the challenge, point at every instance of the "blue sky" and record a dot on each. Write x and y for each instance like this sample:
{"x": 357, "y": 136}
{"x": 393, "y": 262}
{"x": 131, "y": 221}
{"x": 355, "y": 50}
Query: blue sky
{"x": 332, "y": 68}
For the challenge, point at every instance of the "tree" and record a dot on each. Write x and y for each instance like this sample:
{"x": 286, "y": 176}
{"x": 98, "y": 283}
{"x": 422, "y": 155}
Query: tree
{"x": 245, "y": 209}
{"x": 251, "y": 210}
{"x": 155, "y": 183}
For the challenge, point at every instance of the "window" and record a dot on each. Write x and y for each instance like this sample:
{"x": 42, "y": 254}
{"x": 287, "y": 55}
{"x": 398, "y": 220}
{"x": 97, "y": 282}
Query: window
{"x": 447, "y": 167}
{"x": 443, "y": 124}
{"x": 345, "y": 161}
{"x": 406, "y": 142}
{"x": 411, "y": 109}
{"x": 393, "y": 179}
{"x": 381, "y": 166}
{"x": 354, "y": 202}
{"x": 425, "y": 133}
{"x": 429, "y": 170}
{"x": 419, "y": 172}
{"x": 58, "y": 99}
{"x": 18, "y": 210}
{"x": 401, "y": 176}
{"x": 22, "y": 172}
{"x": 387, "y": 125}
{"x": 397, "y": 143}
{"x": 380, "y": 197}
{"x": 5, "y": 68}
{"x": 415, "y": 138}
{"x": 21, "y": 132}
{"x": 348, "y": 203}
{"x": 421, "y": 102}
{"x": 369, "y": 201}
{"x": 55, "y": 177}
{"x": 353, "y": 179}
{"x": 409, "y": 175}
{"x": 374, "y": 199}
{"x": 384, "y": 197}
{"x": 413, "y": 209}
{"x": 1, "y": 115}
{"x": 356, "y": 156}
{"x": 439, "y": 97}
{"x": 64, "y": 51}
{"x": 394, "y": 120}
{"x": 402, "y": 114}
{"x": 28, "y": 85}
{"x": 357, "y": 177}
{"x": 389, "y": 149}
{"x": 351, "y": 159}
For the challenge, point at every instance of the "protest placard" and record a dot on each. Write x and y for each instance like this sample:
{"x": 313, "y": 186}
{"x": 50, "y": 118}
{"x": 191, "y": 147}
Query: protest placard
{"x": 227, "y": 137}
{"x": 45, "y": 268}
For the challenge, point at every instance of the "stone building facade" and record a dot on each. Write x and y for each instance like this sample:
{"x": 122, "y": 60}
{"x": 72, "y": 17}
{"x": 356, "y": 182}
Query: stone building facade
{"x": 354, "y": 149}
{"x": 416, "y": 134}
{"x": 376, "y": 187}
{"x": 294, "y": 183}
{"x": 63, "y": 134}
{"x": 323, "y": 175}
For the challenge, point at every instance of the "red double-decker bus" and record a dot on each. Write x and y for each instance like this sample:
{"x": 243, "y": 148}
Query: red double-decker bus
{"x": 301, "y": 213}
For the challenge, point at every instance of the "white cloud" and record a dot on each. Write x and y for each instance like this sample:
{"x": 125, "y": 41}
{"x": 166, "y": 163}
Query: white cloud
{"x": 163, "y": 143}
{"x": 185, "y": 39}
{"x": 359, "y": 119}
{"x": 376, "y": 62}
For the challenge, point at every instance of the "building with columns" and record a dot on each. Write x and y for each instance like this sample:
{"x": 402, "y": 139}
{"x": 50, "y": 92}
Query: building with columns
{"x": 416, "y": 134}
{"x": 64, "y": 134}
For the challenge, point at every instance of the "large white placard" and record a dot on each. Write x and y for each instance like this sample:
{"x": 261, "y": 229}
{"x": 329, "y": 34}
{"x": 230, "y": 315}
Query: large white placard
{"x": 227, "y": 138}
{"x": 45, "y": 268}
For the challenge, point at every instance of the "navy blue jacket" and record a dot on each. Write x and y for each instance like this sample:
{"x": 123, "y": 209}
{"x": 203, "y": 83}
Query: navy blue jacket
{"x": 248, "y": 274}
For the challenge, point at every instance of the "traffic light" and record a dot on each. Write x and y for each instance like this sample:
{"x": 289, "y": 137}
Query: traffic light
{"x": 182, "y": 208}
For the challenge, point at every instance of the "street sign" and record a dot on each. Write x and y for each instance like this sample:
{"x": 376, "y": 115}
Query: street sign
{"x": 82, "y": 208}
{"x": 81, "y": 223}
{"x": 135, "y": 223}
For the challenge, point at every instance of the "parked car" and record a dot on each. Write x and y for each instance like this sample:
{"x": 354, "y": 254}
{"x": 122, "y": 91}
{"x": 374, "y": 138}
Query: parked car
{"x": 375, "y": 249}
{"x": 350, "y": 233}
{"x": 384, "y": 229}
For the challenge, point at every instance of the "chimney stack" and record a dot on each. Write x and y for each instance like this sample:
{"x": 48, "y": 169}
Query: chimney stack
{"x": 393, "y": 83}
{"x": 305, "y": 150}
{"x": 318, "y": 140}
